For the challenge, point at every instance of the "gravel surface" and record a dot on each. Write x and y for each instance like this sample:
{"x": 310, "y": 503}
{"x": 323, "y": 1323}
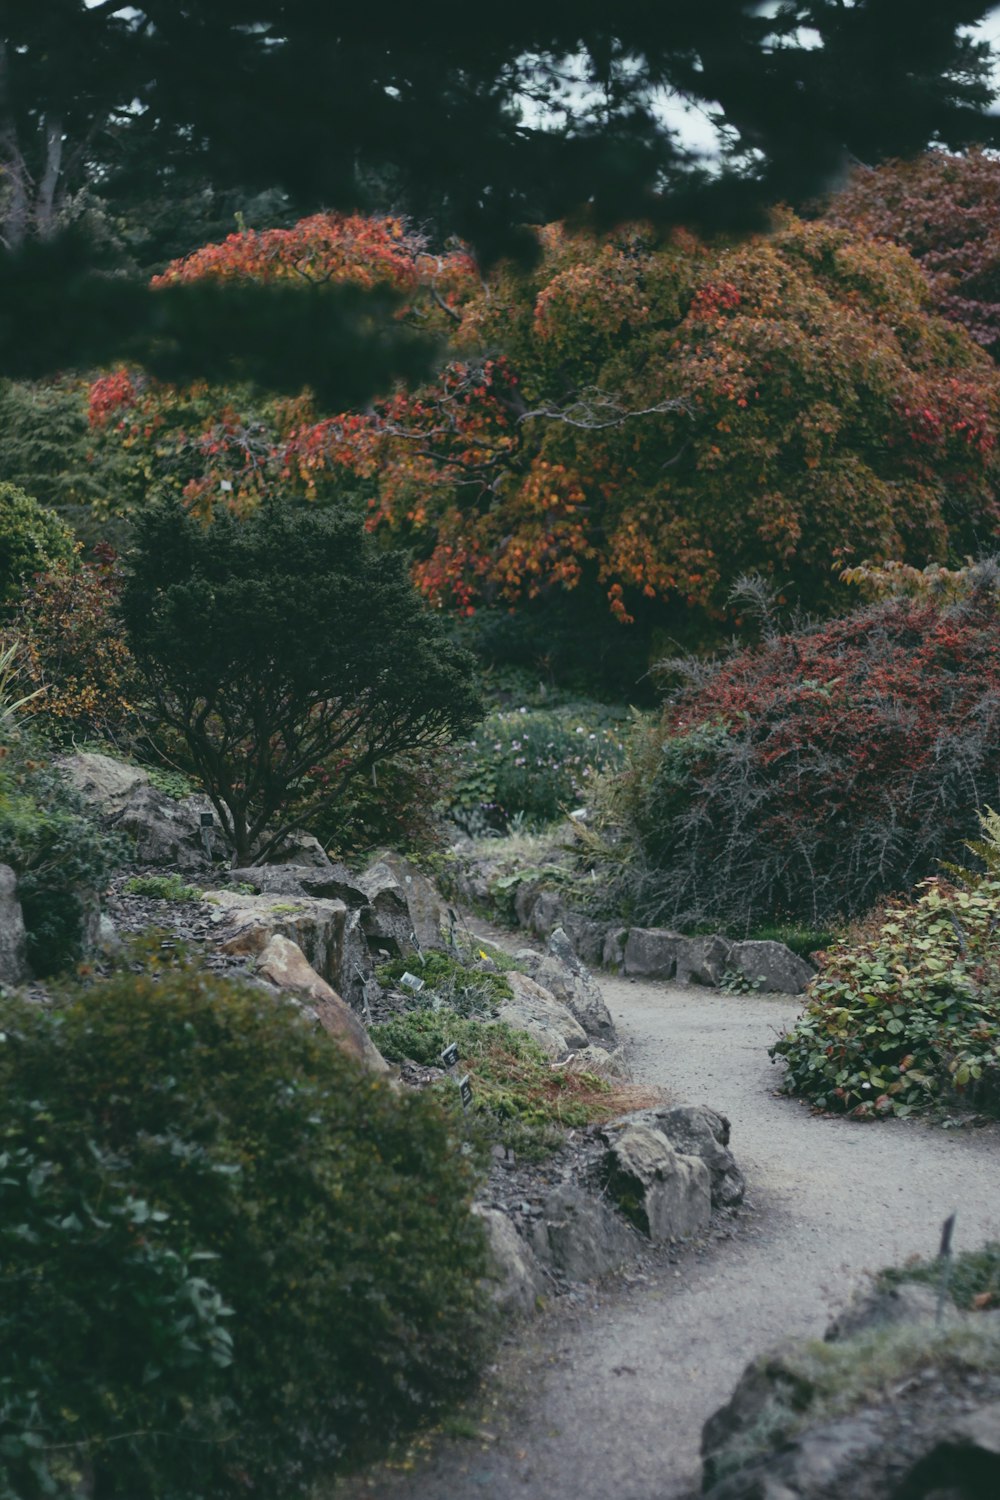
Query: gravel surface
{"x": 607, "y": 1397}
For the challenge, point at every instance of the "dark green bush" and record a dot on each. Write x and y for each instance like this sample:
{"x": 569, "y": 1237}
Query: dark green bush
{"x": 31, "y": 538}
{"x": 61, "y": 858}
{"x": 202, "y": 1167}
{"x": 907, "y": 1012}
{"x": 289, "y": 656}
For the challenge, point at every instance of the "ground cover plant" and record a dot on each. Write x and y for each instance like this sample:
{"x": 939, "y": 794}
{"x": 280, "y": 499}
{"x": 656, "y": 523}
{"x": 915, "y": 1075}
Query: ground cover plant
{"x": 906, "y": 1012}
{"x": 518, "y": 1097}
{"x": 464, "y": 987}
{"x": 31, "y": 539}
{"x": 971, "y": 1278}
{"x": 802, "y": 779}
{"x": 249, "y": 1261}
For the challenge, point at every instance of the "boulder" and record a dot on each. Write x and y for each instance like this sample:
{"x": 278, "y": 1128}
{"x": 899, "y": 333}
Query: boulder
{"x": 301, "y": 849}
{"x": 165, "y": 831}
{"x": 771, "y": 967}
{"x": 386, "y": 919}
{"x": 611, "y": 1066}
{"x": 703, "y": 960}
{"x": 534, "y": 1010}
{"x": 547, "y": 912}
{"x": 649, "y": 952}
{"x": 666, "y": 1195}
{"x": 517, "y": 1281}
{"x": 579, "y": 1236}
{"x": 560, "y": 972}
{"x": 13, "y": 939}
{"x": 613, "y": 948}
{"x": 586, "y": 938}
{"x": 770, "y": 1386}
{"x": 428, "y": 913}
{"x": 965, "y": 1460}
{"x": 695, "y": 1130}
{"x": 283, "y": 964}
{"x": 246, "y": 924}
{"x": 333, "y": 881}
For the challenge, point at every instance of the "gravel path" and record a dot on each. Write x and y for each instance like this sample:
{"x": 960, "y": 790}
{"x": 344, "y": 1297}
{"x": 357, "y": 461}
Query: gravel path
{"x": 610, "y": 1401}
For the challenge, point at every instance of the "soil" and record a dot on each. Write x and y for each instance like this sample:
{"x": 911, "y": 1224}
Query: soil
{"x": 607, "y": 1393}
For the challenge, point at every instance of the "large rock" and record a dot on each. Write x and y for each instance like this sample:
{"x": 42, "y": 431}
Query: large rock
{"x": 648, "y": 952}
{"x": 579, "y": 1236}
{"x": 165, "y": 831}
{"x": 586, "y": 937}
{"x": 333, "y": 881}
{"x": 428, "y": 914}
{"x": 534, "y": 1010}
{"x": 517, "y": 1280}
{"x": 13, "y": 939}
{"x": 886, "y": 1307}
{"x": 771, "y": 967}
{"x": 666, "y": 1195}
{"x": 386, "y": 919}
{"x": 964, "y": 1462}
{"x": 559, "y": 971}
{"x": 695, "y": 1130}
{"x": 246, "y": 924}
{"x": 703, "y": 960}
{"x": 301, "y": 849}
{"x": 283, "y": 964}
{"x": 611, "y": 1066}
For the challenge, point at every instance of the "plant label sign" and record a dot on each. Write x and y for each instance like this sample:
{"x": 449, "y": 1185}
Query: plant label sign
{"x": 465, "y": 1091}
{"x": 449, "y": 1057}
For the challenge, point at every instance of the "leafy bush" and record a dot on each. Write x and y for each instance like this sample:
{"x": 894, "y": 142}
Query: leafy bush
{"x": 62, "y": 859}
{"x": 74, "y": 648}
{"x": 533, "y": 764}
{"x": 162, "y": 888}
{"x": 907, "y": 1012}
{"x": 31, "y": 538}
{"x": 803, "y": 779}
{"x": 289, "y": 655}
{"x": 250, "y": 1261}
{"x": 518, "y": 1097}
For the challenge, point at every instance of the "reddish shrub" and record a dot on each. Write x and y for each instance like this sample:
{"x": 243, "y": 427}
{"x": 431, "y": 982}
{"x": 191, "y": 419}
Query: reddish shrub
{"x": 808, "y": 776}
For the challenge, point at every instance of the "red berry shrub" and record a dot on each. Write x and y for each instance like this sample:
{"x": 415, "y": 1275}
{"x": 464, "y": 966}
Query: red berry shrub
{"x": 806, "y": 777}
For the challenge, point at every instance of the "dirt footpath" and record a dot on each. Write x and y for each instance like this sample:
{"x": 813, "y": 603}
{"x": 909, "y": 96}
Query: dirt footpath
{"x": 609, "y": 1401}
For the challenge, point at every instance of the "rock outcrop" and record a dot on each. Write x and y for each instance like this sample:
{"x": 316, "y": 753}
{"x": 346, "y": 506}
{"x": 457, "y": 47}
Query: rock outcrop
{"x": 696, "y": 1130}
{"x": 561, "y": 972}
{"x": 13, "y": 940}
{"x": 534, "y": 1010}
{"x": 283, "y": 964}
{"x": 665, "y": 1194}
{"x": 244, "y": 925}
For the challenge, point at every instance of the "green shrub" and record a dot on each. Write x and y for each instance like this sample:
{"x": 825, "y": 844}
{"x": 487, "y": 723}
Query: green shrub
{"x": 162, "y": 888}
{"x": 907, "y": 1011}
{"x": 518, "y": 1097}
{"x": 463, "y": 989}
{"x": 61, "y": 858}
{"x": 199, "y": 1153}
{"x": 534, "y": 764}
{"x": 31, "y": 538}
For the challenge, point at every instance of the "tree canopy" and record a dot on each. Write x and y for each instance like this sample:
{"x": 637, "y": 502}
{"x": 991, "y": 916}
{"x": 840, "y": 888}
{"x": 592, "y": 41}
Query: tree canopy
{"x": 546, "y": 112}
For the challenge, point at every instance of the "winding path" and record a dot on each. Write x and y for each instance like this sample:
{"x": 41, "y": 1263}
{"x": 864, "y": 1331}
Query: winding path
{"x": 617, "y": 1397}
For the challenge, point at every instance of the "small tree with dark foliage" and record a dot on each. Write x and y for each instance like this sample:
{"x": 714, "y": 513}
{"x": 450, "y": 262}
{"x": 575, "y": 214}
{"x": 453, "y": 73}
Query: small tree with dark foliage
{"x": 289, "y": 655}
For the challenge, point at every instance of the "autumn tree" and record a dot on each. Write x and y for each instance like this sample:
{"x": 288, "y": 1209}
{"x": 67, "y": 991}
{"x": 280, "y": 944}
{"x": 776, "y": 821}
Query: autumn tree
{"x": 548, "y": 111}
{"x": 656, "y": 419}
{"x": 945, "y": 210}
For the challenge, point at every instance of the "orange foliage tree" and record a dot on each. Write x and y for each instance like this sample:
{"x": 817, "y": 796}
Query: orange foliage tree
{"x": 644, "y": 417}
{"x": 658, "y": 419}
{"x": 945, "y": 210}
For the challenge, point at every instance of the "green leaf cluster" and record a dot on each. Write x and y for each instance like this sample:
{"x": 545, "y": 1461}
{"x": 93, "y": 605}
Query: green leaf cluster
{"x": 230, "y": 1258}
{"x": 907, "y": 1012}
{"x": 31, "y": 538}
{"x": 463, "y": 988}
